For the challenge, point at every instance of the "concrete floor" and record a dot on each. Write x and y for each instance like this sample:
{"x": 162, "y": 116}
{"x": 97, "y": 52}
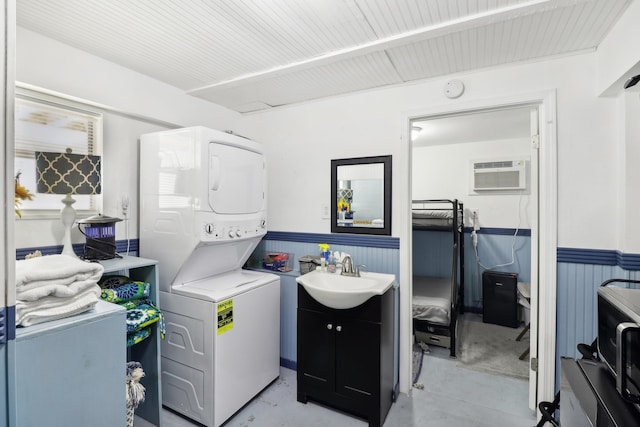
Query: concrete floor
{"x": 452, "y": 397}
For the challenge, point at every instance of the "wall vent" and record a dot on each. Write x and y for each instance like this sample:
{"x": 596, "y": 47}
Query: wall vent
{"x": 498, "y": 175}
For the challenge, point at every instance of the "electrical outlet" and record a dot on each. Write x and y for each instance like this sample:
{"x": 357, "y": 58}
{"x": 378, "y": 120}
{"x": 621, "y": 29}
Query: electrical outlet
{"x": 325, "y": 212}
{"x": 475, "y": 221}
{"x": 125, "y": 206}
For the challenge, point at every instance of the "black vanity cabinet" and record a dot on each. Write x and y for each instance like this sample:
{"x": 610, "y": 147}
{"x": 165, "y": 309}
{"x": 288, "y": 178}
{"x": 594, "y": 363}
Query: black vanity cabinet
{"x": 345, "y": 357}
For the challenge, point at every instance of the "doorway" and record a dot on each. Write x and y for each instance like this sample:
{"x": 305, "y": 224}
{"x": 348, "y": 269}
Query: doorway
{"x": 481, "y": 161}
{"x": 542, "y": 223}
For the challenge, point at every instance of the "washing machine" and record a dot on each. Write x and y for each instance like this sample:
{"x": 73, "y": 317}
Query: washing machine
{"x": 202, "y": 214}
{"x": 222, "y": 344}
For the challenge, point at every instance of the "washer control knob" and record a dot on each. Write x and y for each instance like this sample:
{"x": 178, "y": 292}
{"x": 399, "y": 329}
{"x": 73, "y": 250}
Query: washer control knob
{"x": 208, "y": 228}
{"x": 238, "y": 233}
{"x": 231, "y": 234}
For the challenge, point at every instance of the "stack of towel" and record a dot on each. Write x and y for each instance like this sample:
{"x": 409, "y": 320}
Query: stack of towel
{"x": 54, "y": 287}
{"x": 134, "y": 296}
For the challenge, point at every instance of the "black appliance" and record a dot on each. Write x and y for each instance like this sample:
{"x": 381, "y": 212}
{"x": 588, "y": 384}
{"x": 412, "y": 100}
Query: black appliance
{"x": 589, "y": 397}
{"x": 100, "y": 231}
{"x": 500, "y": 298}
{"x": 619, "y": 336}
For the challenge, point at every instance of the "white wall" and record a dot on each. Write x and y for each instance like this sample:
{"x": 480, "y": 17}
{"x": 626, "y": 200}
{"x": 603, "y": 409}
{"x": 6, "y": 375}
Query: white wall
{"x": 443, "y": 172}
{"x": 52, "y": 65}
{"x": 617, "y": 55}
{"x": 301, "y": 140}
{"x": 56, "y": 67}
{"x": 629, "y": 158}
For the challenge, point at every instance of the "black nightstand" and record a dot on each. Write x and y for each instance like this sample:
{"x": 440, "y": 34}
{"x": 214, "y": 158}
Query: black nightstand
{"x": 500, "y": 298}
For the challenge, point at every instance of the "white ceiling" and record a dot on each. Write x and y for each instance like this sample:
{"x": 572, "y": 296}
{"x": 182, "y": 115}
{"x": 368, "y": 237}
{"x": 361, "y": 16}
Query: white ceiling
{"x": 250, "y": 55}
{"x": 501, "y": 124}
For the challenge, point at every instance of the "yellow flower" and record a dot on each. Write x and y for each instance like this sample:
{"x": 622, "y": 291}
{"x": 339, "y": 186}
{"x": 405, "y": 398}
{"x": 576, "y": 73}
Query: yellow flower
{"x": 324, "y": 247}
{"x": 21, "y": 193}
{"x": 343, "y": 205}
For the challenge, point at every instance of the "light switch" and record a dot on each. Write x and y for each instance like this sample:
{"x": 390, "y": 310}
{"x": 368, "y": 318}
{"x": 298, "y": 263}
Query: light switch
{"x": 325, "y": 212}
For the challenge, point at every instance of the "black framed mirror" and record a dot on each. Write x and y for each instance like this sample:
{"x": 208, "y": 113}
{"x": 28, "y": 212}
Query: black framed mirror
{"x": 361, "y": 195}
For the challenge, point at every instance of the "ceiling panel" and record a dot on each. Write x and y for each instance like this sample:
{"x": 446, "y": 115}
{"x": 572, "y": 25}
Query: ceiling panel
{"x": 199, "y": 42}
{"x": 249, "y": 54}
{"x": 523, "y": 38}
{"x": 388, "y": 18}
{"x": 363, "y": 72}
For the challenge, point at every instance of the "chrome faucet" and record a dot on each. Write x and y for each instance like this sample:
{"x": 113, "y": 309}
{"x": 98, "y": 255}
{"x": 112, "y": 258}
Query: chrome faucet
{"x": 348, "y": 269}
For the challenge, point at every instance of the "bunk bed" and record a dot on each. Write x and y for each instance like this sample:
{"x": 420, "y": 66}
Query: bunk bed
{"x": 436, "y": 301}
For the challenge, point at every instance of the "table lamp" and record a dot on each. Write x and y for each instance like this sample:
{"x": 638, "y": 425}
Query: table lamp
{"x": 69, "y": 174}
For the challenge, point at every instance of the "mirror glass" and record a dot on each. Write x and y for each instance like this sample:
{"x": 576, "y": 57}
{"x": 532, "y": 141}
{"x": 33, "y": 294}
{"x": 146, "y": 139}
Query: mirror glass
{"x": 361, "y": 195}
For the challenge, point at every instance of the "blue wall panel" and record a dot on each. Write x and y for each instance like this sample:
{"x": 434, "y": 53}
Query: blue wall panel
{"x": 494, "y": 250}
{"x": 376, "y": 259}
{"x": 288, "y": 320}
{"x": 576, "y": 317}
{"x": 4, "y": 385}
{"x": 122, "y": 246}
{"x": 577, "y": 302}
{"x": 432, "y": 253}
{"x": 433, "y": 250}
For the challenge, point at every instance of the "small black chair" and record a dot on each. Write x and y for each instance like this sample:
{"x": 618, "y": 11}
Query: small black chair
{"x": 547, "y": 409}
{"x": 589, "y": 352}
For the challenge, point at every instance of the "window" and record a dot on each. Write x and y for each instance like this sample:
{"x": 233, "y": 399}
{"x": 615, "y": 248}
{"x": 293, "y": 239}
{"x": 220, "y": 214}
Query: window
{"x": 48, "y": 123}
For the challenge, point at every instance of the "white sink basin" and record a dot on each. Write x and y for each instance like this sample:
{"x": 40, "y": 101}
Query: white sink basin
{"x": 336, "y": 291}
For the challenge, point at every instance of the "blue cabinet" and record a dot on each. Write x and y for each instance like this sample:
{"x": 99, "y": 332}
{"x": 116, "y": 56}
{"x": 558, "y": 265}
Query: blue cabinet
{"x": 146, "y": 352}
{"x": 71, "y": 372}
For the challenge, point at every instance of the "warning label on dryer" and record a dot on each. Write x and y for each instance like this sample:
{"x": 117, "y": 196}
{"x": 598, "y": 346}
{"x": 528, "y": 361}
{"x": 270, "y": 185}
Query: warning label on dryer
{"x": 225, "y": 316}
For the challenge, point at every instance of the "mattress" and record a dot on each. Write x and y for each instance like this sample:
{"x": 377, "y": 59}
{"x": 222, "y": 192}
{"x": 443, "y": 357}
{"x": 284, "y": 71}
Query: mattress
{"x": 433, "y": 219}
{"x": 432, "y": 299}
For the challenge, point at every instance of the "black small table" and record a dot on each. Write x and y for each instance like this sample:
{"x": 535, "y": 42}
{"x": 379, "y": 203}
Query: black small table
{"x": 589, "y": 395}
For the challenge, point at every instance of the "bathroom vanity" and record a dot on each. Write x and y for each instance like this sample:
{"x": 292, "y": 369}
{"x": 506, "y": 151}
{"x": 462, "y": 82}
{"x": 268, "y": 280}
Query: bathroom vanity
{"x": 345, "y": 356}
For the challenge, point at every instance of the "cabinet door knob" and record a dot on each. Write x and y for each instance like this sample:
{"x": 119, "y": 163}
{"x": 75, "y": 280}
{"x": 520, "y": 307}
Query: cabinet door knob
{"x": 338, "y": 328}
{"x": 329, "y": 326}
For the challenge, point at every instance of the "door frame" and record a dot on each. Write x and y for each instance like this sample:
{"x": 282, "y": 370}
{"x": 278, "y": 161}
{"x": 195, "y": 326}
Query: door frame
{"x": 7, "y": 247}
{"x": 543, "y": 298}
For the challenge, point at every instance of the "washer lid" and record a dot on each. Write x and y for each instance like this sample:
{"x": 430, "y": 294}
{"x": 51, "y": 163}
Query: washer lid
{"x": 224, "y": 286}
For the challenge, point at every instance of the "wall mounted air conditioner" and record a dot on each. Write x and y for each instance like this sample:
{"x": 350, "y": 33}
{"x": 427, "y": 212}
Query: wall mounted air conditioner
{"x": 498, "y": 175}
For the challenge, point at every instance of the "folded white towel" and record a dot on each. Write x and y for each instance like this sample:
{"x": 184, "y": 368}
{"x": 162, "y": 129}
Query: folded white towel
{"x": 339, "y": 256}
{"x": 55, "y": 272}
{"x": 54, "y": 308}
{"x": 53, "y": 290}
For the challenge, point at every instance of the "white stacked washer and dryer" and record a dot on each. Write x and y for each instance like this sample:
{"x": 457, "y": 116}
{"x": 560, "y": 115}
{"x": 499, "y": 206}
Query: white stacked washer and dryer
{"x": 202, "y": 213}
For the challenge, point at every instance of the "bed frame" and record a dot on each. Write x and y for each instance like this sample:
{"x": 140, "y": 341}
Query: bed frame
{"x": 443, "y": 215}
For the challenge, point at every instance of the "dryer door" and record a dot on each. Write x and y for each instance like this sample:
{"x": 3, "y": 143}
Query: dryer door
{"x": 237, "y": 180}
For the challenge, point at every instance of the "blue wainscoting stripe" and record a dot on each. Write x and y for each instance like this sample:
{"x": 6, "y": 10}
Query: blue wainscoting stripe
{"x": 289, "y": 364}
{"x": 3, "y": 325}
{"x": 11, "y": 322}
{"x": 48, "y": 250}
{"x": 336, "y": 239}
{"x": 628, "y": 261}
{"x": 121, "y": 247}
{"x": 599, "y": 257}
{"x": 587, "y": 256}
{"x": 7, "y": 324}
{"x": 500, "y": 231}
{"x": 78, "y": 248}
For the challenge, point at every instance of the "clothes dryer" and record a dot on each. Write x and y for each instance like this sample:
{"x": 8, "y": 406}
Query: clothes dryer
{"x": 202, "y": 213}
